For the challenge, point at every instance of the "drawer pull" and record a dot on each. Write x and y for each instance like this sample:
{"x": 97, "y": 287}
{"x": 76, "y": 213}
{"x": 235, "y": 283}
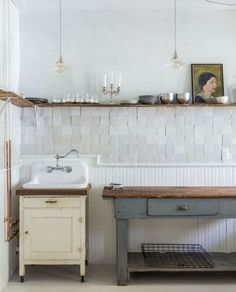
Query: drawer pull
{"x": 51, "y": 201}
{"x": 182, "y": 208}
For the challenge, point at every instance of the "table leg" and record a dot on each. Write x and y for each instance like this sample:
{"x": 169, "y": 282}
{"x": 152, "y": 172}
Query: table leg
{"x": 121, "y": 251}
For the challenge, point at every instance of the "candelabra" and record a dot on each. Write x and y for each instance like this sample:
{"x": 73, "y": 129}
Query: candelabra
{"x": 112, "y": 91}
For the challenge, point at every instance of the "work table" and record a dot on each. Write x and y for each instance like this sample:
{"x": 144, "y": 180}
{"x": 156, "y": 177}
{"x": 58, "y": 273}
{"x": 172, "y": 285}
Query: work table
{"x": 168, "y": 202}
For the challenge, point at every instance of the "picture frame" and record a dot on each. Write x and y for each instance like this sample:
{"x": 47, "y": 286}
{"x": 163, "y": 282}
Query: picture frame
{"x": 198, "y": 69}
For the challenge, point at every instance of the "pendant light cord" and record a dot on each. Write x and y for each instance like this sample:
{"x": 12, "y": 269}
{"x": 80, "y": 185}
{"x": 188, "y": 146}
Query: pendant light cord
{"x": 60, "y": 28}
{"x": 60, "y": 66}
{"x": 175, "y": 24}
{"x": 176, "y": 63}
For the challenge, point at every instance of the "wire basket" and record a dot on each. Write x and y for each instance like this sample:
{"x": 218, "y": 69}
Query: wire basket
{"x": 176, "y": 256}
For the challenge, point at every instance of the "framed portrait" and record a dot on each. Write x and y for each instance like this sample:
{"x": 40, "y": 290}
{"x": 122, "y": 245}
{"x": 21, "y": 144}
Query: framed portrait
{"x": 201, "y": 74}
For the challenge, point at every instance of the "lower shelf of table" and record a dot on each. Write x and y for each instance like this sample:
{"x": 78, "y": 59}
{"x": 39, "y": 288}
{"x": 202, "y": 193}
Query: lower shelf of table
{"x": 224, "y": 262}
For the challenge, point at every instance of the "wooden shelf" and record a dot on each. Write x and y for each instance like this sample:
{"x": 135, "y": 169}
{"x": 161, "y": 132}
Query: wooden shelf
{"x": 15, "y": 98}
{"x": 224, "y": 262}
{"x": 23, "y": 102}
{"x": 131, "y": 105}
{"x": 19, "y": 101}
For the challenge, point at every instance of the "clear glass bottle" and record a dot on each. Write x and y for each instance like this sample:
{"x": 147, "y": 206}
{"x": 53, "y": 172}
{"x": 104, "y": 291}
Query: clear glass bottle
{"x": 232, "y": 93}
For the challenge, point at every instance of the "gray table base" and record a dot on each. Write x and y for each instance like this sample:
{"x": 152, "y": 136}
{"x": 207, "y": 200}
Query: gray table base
{"x": 126, "y": 209}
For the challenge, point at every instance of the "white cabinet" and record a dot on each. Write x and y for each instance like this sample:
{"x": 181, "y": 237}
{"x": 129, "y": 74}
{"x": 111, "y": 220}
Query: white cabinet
{"x": 52, "y": 231}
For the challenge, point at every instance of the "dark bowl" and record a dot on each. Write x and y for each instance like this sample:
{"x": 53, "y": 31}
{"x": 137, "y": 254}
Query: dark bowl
{"x": 148, "y": 99}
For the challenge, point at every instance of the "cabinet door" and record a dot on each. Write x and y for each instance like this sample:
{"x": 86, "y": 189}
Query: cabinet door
{"x": 52, "y": 234}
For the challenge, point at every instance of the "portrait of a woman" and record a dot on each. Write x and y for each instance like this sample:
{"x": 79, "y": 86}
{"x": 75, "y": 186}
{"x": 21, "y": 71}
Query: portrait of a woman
{"x": 208, "y": 84}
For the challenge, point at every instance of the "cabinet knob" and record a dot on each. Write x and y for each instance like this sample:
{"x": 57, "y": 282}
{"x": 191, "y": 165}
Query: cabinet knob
{"x": 51, "y": 201}
{"x": 182, "y": 208}
{"x": 26, "y": 232}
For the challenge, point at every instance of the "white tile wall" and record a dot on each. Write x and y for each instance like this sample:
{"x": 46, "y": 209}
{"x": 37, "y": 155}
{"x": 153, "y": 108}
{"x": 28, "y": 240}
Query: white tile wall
{"x": 15, "y": 134}
{"x": 156, "y": 135}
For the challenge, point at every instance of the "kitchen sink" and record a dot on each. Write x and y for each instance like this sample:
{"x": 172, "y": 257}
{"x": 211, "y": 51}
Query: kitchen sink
{"x": 41, "y": 178}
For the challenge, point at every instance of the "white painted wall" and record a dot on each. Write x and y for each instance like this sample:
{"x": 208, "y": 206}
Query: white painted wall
{"x": 136, "y": 44}
{"x": 14, "y": 47}
{"x": 9, "y": 78}
{"x": 10, "y": 46}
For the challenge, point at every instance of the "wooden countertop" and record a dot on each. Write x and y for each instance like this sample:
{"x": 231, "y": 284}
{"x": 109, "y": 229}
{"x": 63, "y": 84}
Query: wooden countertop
{"x": 169, "y": 192}
{"x": 53, "y": 192}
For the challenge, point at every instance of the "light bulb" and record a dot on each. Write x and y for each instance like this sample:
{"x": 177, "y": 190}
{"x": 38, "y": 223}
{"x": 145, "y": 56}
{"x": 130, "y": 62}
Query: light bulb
{"x": 176, "y": 63}
{"x": 60, "y": 66}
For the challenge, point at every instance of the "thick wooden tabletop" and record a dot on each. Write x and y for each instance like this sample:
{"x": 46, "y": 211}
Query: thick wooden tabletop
{"x": 53, "y": 192}
{"x": 169, "y": 192}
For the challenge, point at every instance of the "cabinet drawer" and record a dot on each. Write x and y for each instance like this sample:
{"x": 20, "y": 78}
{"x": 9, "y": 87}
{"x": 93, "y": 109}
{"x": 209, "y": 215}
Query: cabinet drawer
{"x": 53, "y": 202}
{"x": 182, "y": 207}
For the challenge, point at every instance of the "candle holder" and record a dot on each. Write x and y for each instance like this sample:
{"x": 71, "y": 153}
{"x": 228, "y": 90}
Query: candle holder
{"x": 112, "y": 91}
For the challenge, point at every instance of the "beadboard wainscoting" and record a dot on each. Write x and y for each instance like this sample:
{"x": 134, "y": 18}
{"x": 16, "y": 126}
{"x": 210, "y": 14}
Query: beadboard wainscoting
{"x": 214, "y": 235}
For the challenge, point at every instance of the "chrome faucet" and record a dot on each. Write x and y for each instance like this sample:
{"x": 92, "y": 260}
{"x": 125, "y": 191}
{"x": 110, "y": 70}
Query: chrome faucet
{"x": 64, "y": 156}
{"x": 67, "y": 169}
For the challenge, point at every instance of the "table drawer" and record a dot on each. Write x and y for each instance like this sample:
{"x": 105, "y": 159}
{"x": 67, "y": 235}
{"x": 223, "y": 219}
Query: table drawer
{"x": 182, "y": 207}
{"x": 53, "y": 202}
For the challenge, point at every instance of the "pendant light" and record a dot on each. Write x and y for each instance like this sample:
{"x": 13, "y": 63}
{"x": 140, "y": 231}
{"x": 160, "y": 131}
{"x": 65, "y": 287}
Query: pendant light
{"x": 60, "y": 66}
{"x": 175, "y": 62}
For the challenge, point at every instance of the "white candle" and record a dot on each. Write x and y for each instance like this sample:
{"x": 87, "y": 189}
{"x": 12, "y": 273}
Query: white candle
{"x": 105, "y": 80}
{"x": 112, "y": 77}
{"x": 119, "y": 84}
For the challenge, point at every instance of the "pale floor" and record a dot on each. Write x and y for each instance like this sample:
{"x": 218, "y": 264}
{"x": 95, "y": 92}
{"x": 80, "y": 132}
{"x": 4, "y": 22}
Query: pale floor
{"x": 102, "y": 278}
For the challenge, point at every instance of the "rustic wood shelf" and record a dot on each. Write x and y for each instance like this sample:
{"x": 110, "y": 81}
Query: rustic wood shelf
{"x": 23, "y": 102}
{"x": 127, "y": 105}
{"x": 224, "y": 262}
{"x": 19, "y": 101}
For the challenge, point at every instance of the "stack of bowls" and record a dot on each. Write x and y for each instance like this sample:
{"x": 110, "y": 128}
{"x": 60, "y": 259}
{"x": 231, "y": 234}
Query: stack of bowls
{"x": 148, "y": 99}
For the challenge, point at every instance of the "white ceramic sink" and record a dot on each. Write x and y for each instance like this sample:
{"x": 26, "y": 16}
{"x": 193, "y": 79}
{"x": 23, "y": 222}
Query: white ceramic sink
{"x": 57, "y": 179}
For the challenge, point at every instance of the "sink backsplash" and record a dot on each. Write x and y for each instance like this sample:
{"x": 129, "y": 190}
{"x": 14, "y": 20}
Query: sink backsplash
{"x": 133, "y": 135}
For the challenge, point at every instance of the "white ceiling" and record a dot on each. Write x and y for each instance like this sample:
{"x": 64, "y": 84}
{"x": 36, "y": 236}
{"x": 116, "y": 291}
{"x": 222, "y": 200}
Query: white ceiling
{"x": 151, "y": 5}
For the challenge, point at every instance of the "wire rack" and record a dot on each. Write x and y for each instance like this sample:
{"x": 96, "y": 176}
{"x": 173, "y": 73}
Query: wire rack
{"x": 176, "y": 256}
